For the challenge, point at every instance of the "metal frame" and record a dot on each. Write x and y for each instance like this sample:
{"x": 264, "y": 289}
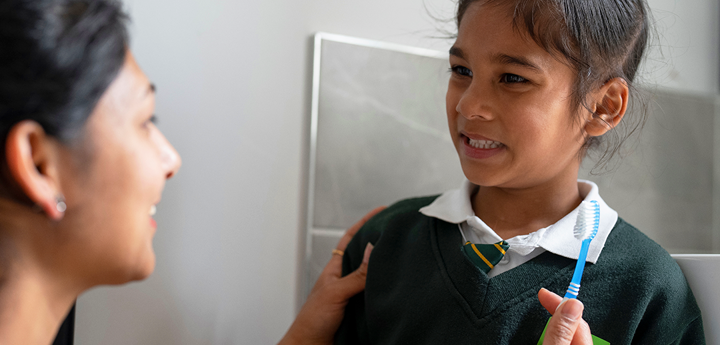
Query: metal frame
{"x": 716, "y": 178}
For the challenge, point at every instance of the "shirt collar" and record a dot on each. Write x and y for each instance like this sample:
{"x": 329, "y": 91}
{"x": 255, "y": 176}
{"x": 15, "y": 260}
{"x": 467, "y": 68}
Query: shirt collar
{"x": 455, "y": 207}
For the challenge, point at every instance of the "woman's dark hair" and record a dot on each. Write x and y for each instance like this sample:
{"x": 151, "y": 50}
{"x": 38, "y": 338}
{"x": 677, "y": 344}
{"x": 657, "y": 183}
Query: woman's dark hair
{"x": 57, "y": 58}
{"x": 599, "y": 39}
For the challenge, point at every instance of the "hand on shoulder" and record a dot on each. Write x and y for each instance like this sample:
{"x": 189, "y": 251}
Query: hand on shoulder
{"x": 324, "y": 309}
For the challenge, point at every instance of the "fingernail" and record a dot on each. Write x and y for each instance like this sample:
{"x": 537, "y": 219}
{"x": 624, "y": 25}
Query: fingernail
{"x": 368, "y": 250}
{"x": 572, "y": 309}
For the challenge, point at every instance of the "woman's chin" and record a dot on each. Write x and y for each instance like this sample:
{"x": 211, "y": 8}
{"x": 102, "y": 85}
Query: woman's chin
{"x": 134, "y": 272}
{"x": 146, "y": 269}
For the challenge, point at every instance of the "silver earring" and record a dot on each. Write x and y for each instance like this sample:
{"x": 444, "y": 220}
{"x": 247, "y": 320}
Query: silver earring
{"x": 60, "y": 204}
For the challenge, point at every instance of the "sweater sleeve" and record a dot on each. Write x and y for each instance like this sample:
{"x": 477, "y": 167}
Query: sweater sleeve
{"x": 693, "y": 334}
{"x": 671, "y": 314}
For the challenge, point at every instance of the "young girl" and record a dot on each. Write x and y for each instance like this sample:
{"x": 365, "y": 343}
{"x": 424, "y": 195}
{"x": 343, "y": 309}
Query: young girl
{"x": 533, "y": 86}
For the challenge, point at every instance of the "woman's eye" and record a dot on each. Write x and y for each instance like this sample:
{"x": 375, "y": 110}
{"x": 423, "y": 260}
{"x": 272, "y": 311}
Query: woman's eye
{"x": 152, "y": 119}
{"x": 512, "y": 78}
{"x": 461, "y": 70}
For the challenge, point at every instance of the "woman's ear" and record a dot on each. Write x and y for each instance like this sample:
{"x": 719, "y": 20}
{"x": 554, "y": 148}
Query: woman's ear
{"x": 32, "y": 158}
{"x": 611, "y": 102}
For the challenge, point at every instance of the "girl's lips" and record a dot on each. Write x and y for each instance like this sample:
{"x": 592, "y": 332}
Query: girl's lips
{"x": 480, "y": 148}
{"x": 153, "y": 223}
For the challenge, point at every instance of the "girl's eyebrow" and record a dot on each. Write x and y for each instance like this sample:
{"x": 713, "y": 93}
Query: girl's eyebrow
{"x": 455, "y": 51}
{"x": 502, "y": 59}
{"x": 515, "y": 60}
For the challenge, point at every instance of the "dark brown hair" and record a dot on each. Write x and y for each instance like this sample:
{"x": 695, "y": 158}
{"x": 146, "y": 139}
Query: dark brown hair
{"x": 599, "y": 39}
{"x": 57, "y": 58}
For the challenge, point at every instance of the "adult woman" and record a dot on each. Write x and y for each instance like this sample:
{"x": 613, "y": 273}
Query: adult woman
{"x": 83, "y": 164}
{"x": 83, "y": 167}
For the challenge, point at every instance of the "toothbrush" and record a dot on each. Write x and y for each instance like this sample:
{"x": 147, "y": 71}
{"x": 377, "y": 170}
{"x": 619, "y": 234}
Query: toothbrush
{"x": 586, "y": 227}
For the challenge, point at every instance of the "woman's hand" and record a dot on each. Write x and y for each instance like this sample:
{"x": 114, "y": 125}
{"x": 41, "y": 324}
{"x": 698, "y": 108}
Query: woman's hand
{"x": 567, "y": 326}
{"x": 324, "y": 309}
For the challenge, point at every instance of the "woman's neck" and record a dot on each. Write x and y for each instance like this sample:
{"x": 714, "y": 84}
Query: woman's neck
{"x": 34, "y": 299}
{"x": 31, "y": 310}
{"x": 513, "y": 212}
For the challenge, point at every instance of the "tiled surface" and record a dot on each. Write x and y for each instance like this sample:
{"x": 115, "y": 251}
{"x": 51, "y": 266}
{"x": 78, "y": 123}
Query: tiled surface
{"x": 382, "y": 132}
{"x": 664, "y": 182}
{"x": 382, "y": 136}
{"x": 323, "y": 242}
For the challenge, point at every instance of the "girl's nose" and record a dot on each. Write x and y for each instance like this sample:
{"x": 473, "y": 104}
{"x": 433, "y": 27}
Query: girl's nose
{"x": 475, "y": 103}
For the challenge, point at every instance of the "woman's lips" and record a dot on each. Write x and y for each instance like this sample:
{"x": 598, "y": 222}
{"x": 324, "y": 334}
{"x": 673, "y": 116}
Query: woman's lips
{"x": 481, "y": 148}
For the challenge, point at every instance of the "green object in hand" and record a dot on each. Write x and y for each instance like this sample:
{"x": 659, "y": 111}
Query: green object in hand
{"x": 595, "y": 340}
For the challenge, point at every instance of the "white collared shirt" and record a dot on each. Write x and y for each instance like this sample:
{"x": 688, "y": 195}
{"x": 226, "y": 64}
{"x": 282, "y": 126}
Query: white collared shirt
{"x": 455, "y": 207}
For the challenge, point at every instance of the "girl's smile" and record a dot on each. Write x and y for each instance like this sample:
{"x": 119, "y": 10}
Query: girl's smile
{"x": 479, "y": 147}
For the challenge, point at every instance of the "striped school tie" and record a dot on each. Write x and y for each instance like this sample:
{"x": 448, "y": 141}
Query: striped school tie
{"x": 485, "y": 256}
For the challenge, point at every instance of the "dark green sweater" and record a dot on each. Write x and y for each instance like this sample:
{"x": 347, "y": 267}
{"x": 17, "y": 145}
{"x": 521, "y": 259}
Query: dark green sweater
{"x": 421, "y": 289}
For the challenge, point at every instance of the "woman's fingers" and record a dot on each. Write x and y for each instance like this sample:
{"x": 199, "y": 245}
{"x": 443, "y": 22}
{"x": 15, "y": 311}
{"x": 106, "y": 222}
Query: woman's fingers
{"x": 561, "y": 328}
{"x": 322, "y": 313}
{"x": 351, "y": 284}
{"x": 549, "y": 300}
{"x": 334, "y": 267}
{"x": 567, "y": 325}
{"x": 582, "y": 334}
{"x": 342, "y": 244}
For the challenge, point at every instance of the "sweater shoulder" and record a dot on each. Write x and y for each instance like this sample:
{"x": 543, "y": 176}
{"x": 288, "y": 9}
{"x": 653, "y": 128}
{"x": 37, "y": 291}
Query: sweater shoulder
{"x": 629, "y": 250}
{"x": 403, "y": 211}
{"x": 411, "y": 204}
{"x": 401, "y": 214}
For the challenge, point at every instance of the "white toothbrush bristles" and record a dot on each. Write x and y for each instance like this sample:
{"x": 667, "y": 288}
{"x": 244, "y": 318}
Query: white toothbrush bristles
{"x": 588, "y": 219}
{"x": 586, "y": 227}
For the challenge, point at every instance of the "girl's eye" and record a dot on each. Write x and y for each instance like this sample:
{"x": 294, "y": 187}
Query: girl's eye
{"x": 461, "y": 71}
{"x": 512, "y": 78}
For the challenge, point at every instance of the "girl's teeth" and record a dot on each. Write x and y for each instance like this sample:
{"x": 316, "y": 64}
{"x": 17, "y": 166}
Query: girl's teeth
{"x": 484, "y": 144}
{"x": 153, "y": 209}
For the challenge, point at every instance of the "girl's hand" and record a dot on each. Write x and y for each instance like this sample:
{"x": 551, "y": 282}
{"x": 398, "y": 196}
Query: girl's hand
{"x": 567, "y": 326}
{"x": 324, "y": 309}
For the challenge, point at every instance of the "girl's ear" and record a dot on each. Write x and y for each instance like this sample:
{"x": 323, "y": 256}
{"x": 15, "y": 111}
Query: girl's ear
{"x": 32, "y": 158}
{"x": 610, "y": 105}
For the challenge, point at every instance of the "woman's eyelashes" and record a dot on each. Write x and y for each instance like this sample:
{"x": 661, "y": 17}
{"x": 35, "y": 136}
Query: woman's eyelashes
{"x": 152, "y": 119}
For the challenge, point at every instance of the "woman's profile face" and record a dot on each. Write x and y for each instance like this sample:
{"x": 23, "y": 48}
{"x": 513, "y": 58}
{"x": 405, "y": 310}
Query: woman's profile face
{"x": 114, "y": 179}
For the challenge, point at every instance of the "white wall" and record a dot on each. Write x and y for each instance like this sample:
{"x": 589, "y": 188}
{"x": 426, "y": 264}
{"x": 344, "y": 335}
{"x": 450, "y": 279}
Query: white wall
{"x": 233, "y": 83}
{"x": 685, "y": 54}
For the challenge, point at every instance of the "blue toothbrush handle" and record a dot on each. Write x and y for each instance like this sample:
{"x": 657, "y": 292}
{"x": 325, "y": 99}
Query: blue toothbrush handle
{"x": 574, "y": 287}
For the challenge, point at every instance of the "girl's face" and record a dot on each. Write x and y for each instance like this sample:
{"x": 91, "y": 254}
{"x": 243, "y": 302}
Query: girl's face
{"x": 116, "y": 178}
{"x": 508, "y": 105}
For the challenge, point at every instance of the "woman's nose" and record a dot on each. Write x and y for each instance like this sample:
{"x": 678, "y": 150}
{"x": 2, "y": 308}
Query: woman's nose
{"x": 170, "y": 158}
